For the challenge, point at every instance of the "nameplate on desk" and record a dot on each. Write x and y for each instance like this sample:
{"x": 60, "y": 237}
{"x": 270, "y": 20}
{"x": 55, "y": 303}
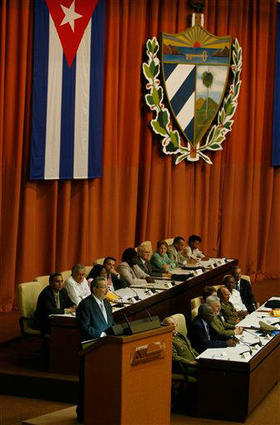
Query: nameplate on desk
{"x": 147, "y": 353}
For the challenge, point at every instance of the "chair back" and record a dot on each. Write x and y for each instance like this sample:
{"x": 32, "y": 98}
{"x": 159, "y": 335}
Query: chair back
{"x": 44, "y": 280}
{"x": 66, "y": 274}
{"x": 28, "y": 294}
{"x": 97, "y": 261}
{"x": 88, "y": 269}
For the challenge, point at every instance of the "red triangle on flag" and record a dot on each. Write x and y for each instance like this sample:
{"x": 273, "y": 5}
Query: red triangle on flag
{"x": 71, "y": 18}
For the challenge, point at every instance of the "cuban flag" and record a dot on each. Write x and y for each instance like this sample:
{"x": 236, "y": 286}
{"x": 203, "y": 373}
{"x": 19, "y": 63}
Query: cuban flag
{"x": 67, "y": 116}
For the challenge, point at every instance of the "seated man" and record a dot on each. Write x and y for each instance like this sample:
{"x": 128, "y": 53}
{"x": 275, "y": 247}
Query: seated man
{"x": 245, "y": 289}
{"x": 182, "y": 351}
{"x": 235, "y": 297}
{"x": 218, "y": 323}
{"x": 114, "y": 280}
{"x": 175, "y": 251}
{"x": 129, "y": 271}
{"x": 94, "y": 313}
{"x": 202, "y": 336}
{"x": 192, "y": 251}
{"x": 52, "y": 300}
{"x": 228, "y": 311}
{"x": 77, "y": 285}
{"x": 143, "y": 261}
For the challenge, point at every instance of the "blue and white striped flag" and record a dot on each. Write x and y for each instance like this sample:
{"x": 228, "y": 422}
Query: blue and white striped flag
{"x": 67, "y": 117}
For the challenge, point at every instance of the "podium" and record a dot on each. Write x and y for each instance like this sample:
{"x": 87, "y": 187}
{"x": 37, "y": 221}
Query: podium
{"x": 127, "y": 379}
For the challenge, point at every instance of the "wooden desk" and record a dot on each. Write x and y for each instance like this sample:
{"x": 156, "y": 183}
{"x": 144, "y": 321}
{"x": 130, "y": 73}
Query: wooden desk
{"x": 176, "y": 299}
{"x": 137, "y": 382}
{"x": 231, "y": 390}
{"x": 64, "y": 341}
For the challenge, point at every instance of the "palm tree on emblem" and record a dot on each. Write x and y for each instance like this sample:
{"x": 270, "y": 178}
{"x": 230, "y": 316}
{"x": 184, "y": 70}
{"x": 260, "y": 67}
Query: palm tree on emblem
{"x": 207, "y": 80}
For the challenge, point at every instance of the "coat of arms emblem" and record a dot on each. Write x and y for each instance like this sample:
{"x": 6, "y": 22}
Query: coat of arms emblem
{"x": 189, "y": 72}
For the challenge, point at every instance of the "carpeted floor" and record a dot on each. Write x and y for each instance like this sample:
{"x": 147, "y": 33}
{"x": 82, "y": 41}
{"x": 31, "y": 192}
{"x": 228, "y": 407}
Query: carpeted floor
{"x": 13, "y": 410}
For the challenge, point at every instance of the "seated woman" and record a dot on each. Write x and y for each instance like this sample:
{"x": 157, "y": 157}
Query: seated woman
{"x": 130, "y": 271}
{"x": 96, "y": 271}
{"x": 160, "y": 259}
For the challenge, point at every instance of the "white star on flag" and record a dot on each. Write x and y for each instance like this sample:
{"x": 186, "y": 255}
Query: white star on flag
{"x": 70, "y": 15}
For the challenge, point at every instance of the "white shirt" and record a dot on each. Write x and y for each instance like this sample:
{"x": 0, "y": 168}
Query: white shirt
{"x": 236, "y": 300}
{"x": 77, "y": 291}
{"x": 194, "y": 254}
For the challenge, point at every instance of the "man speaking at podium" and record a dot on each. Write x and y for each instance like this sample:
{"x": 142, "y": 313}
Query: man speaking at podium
{"x": 94, "y": 313}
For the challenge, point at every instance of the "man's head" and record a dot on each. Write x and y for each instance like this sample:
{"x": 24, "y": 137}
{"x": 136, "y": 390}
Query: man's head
{"x": 236, "y": 273}
{"x": 170, "y": 321}
{"x": 179, "y": 243}
{"x": 229, "y": 282}
{"x": 214, "y": 302}
{"x": 56, "y": 282}
{"x": 223, "y": 294}
{"x": 144, "y": 251}
{"x": 99, "y": 287}
{"x": 206, "y": 312}
{"x": 78, "y": 273}
{"x": 130, "y": 256}
{"x": 109, "y": 264}
{"x": 207, "y": 291}
{"x": 162, "y": 247}
{"x": 194, "y": 241}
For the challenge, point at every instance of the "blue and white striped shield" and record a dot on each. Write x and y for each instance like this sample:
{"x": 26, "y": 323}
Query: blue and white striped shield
{"x": 195, "y": 67}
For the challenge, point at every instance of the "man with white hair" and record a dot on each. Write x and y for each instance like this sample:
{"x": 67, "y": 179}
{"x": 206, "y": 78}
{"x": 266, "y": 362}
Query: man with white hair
{"x": 218, "y": 322}
{"x": 143, "y": 260}
{"x": 183, "y": 354}
{"x": 77, "y": 285}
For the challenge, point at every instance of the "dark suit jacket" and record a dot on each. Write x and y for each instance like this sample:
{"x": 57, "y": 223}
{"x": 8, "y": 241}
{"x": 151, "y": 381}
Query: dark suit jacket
{"x": 46, "y": 305}
{"x": 91, "y": 320}
{"x": 148, "y": 268}
{"x": 247, "y": 295}
{"x": 199, "y": 339}
{"x": 118, "y": 282}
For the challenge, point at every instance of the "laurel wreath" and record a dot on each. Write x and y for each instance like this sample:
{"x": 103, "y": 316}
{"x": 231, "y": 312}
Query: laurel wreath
{"x": 161, "y": 124}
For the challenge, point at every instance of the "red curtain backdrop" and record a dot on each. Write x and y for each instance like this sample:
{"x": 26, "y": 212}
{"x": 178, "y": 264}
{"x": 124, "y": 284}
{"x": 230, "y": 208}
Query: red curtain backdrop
{"x": 233, "y": 204}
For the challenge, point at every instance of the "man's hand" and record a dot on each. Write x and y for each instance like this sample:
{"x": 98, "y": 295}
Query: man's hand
{"x": 192, "y": 363}
{"x": 231, "y": 342}
{"x": 238, "y": 330}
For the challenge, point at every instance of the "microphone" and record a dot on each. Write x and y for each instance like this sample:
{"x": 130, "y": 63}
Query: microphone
{"x": 247, "y": 345}
{"x": 136, "y": 297}
{"x": 257, "y": 336}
